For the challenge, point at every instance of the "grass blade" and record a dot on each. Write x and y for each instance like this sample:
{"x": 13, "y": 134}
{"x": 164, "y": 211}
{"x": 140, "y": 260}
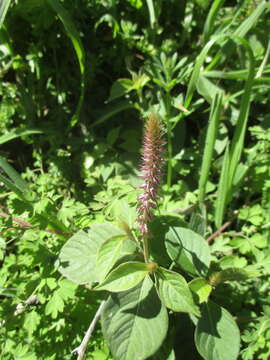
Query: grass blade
{"x": 236, "y": 148}
{"x": 201, "y": 58}
{"x": 72, "y": 32}
{"x": 241, "y": 31}
{"x": 15, "y": 178}
{"x": 196, "y": 72}
{"x": 9, "y": 184}
{"x": 264, "y": 62}
{"x": 152, "y": 14}
{"x": 250, "y": 21}
{"x": 209, "y": 23}
{"x": 17, "y": 133}
{"x": 4, "y": 5}
{"x": 111, "y": 111}
{"x": 230, "y": 165}
{"x": 239, "y": 134}
{"x": 209, "y": 143}
{"x": 222, "y": 190}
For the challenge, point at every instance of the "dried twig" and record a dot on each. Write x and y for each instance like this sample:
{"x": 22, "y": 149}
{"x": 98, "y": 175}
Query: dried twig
{"x": 218, "y": 232}
{"x": 22, "y": 223}
{"x": 80, "y": 350}
{"x": 26, "y": 225}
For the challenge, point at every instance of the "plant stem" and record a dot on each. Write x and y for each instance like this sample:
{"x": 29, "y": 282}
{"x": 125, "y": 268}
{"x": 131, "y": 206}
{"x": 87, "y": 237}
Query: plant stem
{"x": 169, "y": 170}
{"x": 169, "y": 130}
{"x": 218, "y": 232}
{"x": 145, "y": 249}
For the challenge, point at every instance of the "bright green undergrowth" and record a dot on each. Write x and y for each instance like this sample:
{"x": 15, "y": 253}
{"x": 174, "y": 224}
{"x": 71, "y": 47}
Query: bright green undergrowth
{"x": 77, "y": 80}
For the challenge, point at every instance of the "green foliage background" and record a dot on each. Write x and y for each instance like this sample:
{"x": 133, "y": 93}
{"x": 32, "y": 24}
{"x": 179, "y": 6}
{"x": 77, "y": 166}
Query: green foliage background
{"x": 77, "y": 79}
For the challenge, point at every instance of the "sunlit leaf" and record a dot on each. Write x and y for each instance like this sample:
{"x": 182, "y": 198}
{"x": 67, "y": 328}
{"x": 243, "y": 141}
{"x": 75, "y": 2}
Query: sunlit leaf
{"x": 217, "y": 336}
{"x": 124, "y": 277}
{"x": 135, "y": 322}
{"x": 188, "y": 249}
{"x": 174, "y": 292}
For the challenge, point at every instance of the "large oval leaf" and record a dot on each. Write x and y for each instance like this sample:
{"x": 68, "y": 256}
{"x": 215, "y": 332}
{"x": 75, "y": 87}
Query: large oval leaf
{"x": 124, "y": 277}
{"x": 174, "y": 292}
{"x": 135, "y": 322}
{"x": 217, "y": 336}
{"x": 188, "y": 249}
{"x": 77, "y": 259}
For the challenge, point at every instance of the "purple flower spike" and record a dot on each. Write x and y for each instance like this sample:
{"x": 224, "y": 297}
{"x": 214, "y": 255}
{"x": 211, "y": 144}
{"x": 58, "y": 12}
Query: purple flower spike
{"x": 151, "y": 170}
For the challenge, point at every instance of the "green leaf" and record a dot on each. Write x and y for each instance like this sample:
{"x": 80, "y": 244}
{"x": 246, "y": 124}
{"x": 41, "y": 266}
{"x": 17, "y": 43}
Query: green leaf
{"x": 217, "y": 336}
{"x": 120, "y": 87}
{"x": 111, "y": 22}
{"x": 201, "y": 289}
{"x": 211, "y": 136}
{"x": 66, "y": 289}
{"x": 77, "y": 259}
{"x": 74, "y": 35}
{"x": 124, "y": 277}
{"x": 188, "y": 249}
{"x": 223, "y": 187}
{"x": 203, "y": 3}
{"x": 103, "y": 232}
{"x": 174, "y": 292}
{"x": 135, "y": 322}
{"x": 9, "y": 184}
{"x": 197, "y": 221}
{"x": 201, "y": 58}
{"x": 123, "y": 86}
{"x": 16, "y": 179}
{"x": 152, "y": 15}
{"x": 125, "y": 214}
{"x": 4, "y": 5}
{"x": 250, "y": 21}
{"x": 159, "y": 228}
{"x": 113, "y": 135}
{"x": 111, "y": 251}
{"x": 253, "y": 214}
{"x": 32, "y": 319}
{"x": 229, "y": 274}
{"x": 55, "y": 305}
{"x": 207, "y": 89}
{"x": 112, "y": 110}
{"x": 211, "y": 17}
{"x": 232, "y": 261}
{"x": 23, "y": 352}
{"x": 17, "y": 133}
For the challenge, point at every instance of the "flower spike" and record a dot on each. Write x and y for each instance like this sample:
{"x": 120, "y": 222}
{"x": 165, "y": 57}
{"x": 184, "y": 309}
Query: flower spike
{"x": 151, "y": 170}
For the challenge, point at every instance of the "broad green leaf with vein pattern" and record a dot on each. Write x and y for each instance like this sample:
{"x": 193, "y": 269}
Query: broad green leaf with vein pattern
{"x": 188, "y": 249}
{"x": 135, "y": 322}
{"x": 174, "y": 292}
{"x": 124, "y": 277}
{"x": 217, "y": 336}
{"x": 77, "y": 259}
